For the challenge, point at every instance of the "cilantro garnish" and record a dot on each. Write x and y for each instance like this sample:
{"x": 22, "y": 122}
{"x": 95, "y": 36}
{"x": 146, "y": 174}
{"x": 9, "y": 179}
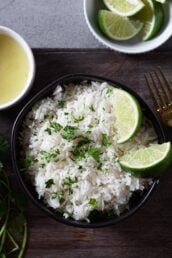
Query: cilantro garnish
{"x": 49, "y": 183}
{"x": 56, "y": 126}
{"x": 61, "y": 104}
{"x": 93, "y": 203}
{"x": 92, "y": 108}
{"x": 48, "y": 156}
{"x": 105, "y": 140}
{"x": 68, "y": 133}
{"x": 94, "y": 153}
{"x": 79, "y": 119}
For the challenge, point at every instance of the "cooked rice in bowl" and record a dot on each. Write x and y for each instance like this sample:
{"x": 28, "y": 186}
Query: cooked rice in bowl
{"x": 70, "y": 150}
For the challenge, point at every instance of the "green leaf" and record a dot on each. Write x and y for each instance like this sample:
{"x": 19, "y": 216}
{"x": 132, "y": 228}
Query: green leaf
{"x": 49, "y": 183}
{"x": 105, "y": 140}
{"x": 92, "y": 108}
{"x": 56, "y": 126}
{"x": 93, "y": 203}
{"x": 79, "y": 119}
{"x": 68, "y": 132}
{"x": 61, "y": 104}
{"x": 94, "y": 153}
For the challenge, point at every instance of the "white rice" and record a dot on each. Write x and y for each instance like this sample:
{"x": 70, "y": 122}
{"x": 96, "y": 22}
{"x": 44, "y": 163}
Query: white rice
{"x": 76, "y": 187}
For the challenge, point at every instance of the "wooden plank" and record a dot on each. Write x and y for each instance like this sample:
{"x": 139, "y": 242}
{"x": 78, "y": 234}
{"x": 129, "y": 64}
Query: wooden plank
{"x": 146, "y": 234}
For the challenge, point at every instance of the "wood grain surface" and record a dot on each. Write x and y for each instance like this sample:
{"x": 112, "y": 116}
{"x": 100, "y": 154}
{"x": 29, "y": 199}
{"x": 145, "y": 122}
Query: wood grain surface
{"x": 147, "y": 234}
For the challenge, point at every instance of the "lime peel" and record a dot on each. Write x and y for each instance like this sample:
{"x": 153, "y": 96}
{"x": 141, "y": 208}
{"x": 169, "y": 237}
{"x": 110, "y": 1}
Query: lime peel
{"x": 125, "y": 7}
{"x": 151, "y": 161}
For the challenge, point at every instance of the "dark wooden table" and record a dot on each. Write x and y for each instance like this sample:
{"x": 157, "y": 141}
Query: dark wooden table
{"x": 148, "y": 233}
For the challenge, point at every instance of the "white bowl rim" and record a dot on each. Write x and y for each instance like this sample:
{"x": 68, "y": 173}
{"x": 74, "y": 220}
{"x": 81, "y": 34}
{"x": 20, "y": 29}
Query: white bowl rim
{"x": 124, "y": 49}
{"x": 19, "y": 39}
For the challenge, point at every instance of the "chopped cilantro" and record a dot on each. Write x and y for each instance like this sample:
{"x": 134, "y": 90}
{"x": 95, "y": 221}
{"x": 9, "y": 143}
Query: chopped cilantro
{"x": 93, "y": 203}
{"x": 105, "y": 140}
{"x": 95, "y": 153}
{"x": 92, "y": 108}
{"x": 66, "y": 113}
{"x": 48, "y": 130}
{"x": 29, "y": 161}
{"x": 68, "y": 132}
{"x": 62, "y": 200}
{"x": 99, "y": 166}
{"x": 49, "y": 183}
{"x": 56, "y": 126}
{"x": 109, "y": 90}
{"x": 61, "y": 104}
{"x": 48, "y": 156}
{"x": 97, "y": 120}
{"x": 79, "y": 119}
{"x": 81, "y": 149}
{"x": 53, "y": 196}
{"x": 69, "y": 183}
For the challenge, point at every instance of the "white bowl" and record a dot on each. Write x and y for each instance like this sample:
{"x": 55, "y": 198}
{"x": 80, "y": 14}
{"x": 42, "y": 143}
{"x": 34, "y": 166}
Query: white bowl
{"x": 135, "y": 45}
{"x": 29, "y": 54}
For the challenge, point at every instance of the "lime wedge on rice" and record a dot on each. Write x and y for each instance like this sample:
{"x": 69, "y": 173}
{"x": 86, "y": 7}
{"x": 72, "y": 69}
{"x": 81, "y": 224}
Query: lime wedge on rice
{"x": 152, "y": 16}
{"x": 150, "y": 161}
{"x": 118, "y": 27}
{"x": 125, "y": 7}
{"x": 128, "y": 115}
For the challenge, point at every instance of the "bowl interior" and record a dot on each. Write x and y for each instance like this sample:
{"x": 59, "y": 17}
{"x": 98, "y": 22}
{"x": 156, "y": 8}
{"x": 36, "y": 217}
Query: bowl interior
{"x": 97, "y": 219}
{"x": 135, "y": 45}
{"x": 31, "y": 64}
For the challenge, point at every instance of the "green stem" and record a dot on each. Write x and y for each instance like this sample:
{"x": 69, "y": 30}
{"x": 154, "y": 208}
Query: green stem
{"x": 2, "y": 240}
{"x": 16, "y": 246}
{"x": 23, "y": 246}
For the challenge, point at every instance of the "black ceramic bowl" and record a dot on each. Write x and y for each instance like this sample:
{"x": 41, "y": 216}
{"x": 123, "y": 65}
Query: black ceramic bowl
{"x": 97, "y": 219}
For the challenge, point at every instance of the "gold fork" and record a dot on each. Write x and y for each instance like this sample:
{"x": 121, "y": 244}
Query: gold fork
{"x": 161, "y": 93}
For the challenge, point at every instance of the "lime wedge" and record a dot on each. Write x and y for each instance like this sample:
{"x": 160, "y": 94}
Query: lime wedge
{"x": 128, "y": 115}
{"x": 148, "y": 162}
{"x": 153, "y": 17}
{"x": 161, "y": 1}
{"x": 125, "y": 7}
{"x": 117, "y": 27}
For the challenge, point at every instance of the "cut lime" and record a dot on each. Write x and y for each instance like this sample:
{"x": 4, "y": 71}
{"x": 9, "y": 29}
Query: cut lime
{"x": 125, "y": 7}
{"x": 148, "y": 162}
{"x": 161, "y": 1}
{"x": 128, "y": 115}
{"x": 118, "y": 27}
{"x": 153, "y": 17}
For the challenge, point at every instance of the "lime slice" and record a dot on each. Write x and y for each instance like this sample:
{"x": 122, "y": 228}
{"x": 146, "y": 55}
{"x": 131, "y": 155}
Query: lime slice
{"x": 148, "y": 162}
{"x": 118, "y": 27}
{"x": 125, "y": 7}
{"x": 153, "y": 17}
{"x": 161, "y": 1}
{"x": 128, "y": 115}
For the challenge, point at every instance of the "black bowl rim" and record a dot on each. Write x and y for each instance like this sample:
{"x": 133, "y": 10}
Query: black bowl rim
{"x": 40, "y": 95}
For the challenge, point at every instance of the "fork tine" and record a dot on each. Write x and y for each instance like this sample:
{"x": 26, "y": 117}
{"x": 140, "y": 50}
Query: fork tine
{"x": 155, "y": 100}
{"x": 158, "y": 90}
{"x": 167, "y": 87}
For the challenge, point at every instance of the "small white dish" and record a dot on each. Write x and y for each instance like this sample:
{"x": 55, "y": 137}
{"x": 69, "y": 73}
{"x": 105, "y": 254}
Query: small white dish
{"x": 31, "y": 72}
{"x": 135, "y": 45}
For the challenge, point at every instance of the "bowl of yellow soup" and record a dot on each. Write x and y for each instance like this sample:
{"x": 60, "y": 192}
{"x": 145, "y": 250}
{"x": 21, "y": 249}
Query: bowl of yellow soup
{"x": 17, "y": 67}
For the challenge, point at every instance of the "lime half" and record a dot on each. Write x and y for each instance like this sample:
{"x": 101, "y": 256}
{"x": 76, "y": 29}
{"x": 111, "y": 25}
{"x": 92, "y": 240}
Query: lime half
{"x": 148, "y": 162}
{"x": 152, "y": 16}
{"x": 125, "y": 7}
{"x": 128, "y": 115}
{"x": 118, "y": 27}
